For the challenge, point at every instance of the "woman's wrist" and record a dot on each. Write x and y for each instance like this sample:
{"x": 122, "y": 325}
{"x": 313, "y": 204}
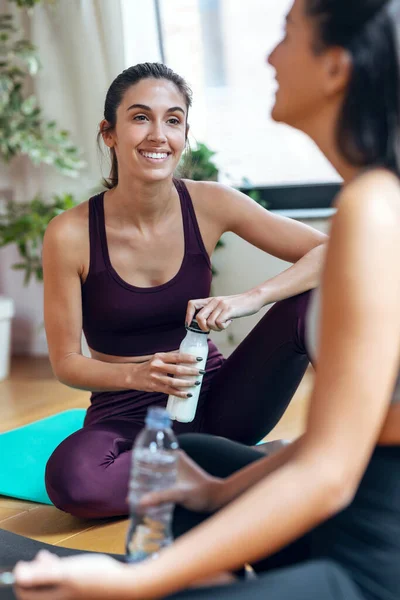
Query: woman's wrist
{"x": 261, "y": 295}
{"x": 218, "y": 493}
{"x": 142, "y": 581}
{"x": 126, "y": 375}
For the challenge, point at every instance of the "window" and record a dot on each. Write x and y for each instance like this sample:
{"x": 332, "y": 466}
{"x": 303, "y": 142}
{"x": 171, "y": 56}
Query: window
{"x": 220, "y": 48}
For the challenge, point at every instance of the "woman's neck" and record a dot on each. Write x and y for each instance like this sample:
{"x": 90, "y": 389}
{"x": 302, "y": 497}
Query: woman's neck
{"x": 323, "y": 132}
{"x": 141, "y": 203}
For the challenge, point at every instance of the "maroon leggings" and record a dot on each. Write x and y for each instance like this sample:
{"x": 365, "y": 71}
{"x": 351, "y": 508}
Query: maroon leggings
{"x": 242, "y": 398}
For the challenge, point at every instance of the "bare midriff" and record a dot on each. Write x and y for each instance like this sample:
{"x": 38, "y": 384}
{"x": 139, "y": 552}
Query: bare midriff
{"x": 109, "y": 358}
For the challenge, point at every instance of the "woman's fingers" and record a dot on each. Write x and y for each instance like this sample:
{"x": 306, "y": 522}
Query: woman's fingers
{"x": 179, "y": 370}
{"x": 215, "y": 315}
{"x": 178, "y": 393}
{"x": 203, "y": 315}
{"x": 174, "y": 358}
{"x": 223, "y": 320}
{"x": 177, "y": 383}
{"x": 219, "y": 320}
{"x": 193, "y": 306}
{"x": 40, "y": 572}
{"x": 39, "y": 593}
{"x": 212, "y": 318}
{"x": 174, "y": 373}
{"x": 155, "y": 498}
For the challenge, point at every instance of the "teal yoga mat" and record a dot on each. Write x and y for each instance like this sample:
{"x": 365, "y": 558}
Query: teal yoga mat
{"x": 24, "y": 453}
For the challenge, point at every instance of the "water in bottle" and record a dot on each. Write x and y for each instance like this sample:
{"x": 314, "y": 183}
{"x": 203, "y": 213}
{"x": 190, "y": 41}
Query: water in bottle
{"x": 154, "y": 468}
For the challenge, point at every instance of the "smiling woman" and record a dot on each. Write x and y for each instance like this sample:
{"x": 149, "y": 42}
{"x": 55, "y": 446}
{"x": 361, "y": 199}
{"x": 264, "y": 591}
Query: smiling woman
{"x": 138, "y": 266}
{"x": 152, "y": 127}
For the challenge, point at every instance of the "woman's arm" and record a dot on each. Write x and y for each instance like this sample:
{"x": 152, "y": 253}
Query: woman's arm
{"x": 287, "y": 239}
{"x": 283, "y": 238}
{"x": 198, "y": 491}
{"x": 357, "y": 368}
{"x": 64, "y": 248}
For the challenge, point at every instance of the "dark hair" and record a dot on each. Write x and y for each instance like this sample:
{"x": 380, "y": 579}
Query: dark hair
{"x": 116, "y": 93}
{"x": 369, "y": 124}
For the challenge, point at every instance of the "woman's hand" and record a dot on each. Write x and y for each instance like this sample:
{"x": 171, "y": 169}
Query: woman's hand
{"x": 195, "y": 489}
{"x": 49, "y": 577}
{"x": 217, "y": 313}
{"x": 168, "y": 373}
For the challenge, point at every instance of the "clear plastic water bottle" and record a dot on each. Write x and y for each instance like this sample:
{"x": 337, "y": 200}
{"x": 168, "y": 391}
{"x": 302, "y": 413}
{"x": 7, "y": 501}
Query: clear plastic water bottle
{"x": 154, "y": 468}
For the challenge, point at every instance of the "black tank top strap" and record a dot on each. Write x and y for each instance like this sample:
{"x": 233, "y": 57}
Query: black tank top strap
{"x": 193, "y": 241}
{"x": 96, "y": 233}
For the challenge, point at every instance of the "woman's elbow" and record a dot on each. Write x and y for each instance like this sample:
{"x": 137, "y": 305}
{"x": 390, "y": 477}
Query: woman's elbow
{"x": 340, "y": 491}
{"x": 335, "y": 487}
{"x": 62, "y": 371}
{"x": 62, "y": 376}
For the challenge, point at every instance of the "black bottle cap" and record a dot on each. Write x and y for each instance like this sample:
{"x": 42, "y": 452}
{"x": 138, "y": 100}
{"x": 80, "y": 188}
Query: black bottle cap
{"x": 194, "y": 326}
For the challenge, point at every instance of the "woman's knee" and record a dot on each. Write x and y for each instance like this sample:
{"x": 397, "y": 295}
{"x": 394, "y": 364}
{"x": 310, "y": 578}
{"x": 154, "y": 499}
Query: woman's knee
{"x": 292, "y": 313}
{"x": 201, "y": 447}
{"x": 217, "y": 455}
{"x": 70, "y": 483}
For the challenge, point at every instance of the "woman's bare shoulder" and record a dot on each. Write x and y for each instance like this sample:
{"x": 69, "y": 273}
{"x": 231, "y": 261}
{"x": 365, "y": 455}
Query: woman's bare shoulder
{"x": 373, "y": 185}
{"x": 206, "y": 187}
{"x": 214, "y": 196}
{"x": 201, "y": 189}
{"x": 66, "y": 242}
{"x": 70, "y": 226}
{"x": 373, "y": 196}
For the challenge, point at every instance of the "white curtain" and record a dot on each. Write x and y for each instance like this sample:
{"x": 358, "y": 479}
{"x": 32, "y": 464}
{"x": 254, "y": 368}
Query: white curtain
{"x": 81, "y": 48}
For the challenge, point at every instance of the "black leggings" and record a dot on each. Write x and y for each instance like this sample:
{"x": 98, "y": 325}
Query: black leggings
{"x": 353, "y": 556}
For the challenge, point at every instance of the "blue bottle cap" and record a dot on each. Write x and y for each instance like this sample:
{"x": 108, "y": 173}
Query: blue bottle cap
{"x": 158, "y": 418}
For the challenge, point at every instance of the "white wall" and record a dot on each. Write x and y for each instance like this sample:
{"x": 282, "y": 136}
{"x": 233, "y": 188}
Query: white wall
{"x": 241, "y": 267}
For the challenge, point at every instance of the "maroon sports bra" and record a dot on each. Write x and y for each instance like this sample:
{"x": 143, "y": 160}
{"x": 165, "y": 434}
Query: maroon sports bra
{"x": 125, "y": 320}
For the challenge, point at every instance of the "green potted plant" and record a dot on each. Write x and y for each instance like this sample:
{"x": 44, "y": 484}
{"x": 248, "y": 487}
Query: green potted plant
{"x": 24, "y": 131}
{"x": 24, "y": 224}
{"x": 198, "y": 165}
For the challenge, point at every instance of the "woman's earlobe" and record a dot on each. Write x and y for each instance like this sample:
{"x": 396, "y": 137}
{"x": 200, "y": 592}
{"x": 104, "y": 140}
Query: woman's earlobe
{"x": 106, "y": 133}
{"x": 338, "y": 68}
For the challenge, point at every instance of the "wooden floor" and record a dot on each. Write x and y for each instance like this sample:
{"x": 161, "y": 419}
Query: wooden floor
{"x": 32, "y": 393}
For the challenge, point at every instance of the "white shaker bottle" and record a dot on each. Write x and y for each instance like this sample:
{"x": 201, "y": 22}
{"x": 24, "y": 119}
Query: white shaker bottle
{"x": 195, "y": 343}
